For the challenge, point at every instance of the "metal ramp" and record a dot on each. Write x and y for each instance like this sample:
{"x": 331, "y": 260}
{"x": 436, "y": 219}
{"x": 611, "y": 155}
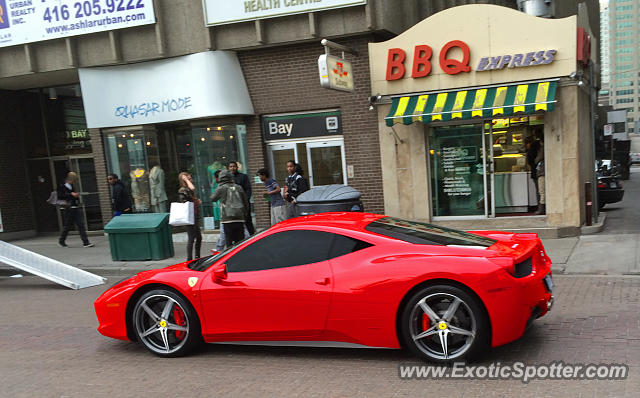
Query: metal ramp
{"x": 47, "y": 268}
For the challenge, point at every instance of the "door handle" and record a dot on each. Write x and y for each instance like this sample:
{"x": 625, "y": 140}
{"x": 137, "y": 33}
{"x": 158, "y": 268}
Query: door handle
{"x": 323, "y": 281}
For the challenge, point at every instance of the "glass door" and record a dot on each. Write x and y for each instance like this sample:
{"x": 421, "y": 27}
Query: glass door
{"x": 279, "y": 155}
{"x": 326, "y": 163}
{"x": 87, "y": 186}
{"x": 459, "y": 184}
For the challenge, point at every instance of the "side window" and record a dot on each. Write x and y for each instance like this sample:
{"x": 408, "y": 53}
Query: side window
{"x": 344, "y": 245}
{"x": 283, "y": 249}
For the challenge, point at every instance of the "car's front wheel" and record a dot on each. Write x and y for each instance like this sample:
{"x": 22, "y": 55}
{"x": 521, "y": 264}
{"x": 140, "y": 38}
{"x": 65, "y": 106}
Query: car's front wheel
{"x": 166, "y": 323}
{"x": 444, "y": 323}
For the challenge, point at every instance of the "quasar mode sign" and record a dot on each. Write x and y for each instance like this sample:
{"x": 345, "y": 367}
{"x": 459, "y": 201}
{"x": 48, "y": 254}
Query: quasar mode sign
{"x": 27, "y": 21}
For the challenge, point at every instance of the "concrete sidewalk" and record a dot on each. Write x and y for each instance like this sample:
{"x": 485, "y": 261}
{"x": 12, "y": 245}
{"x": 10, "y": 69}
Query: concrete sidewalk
{"x": 596, "y": 254}
{"x": 98, "y": 260}
{"x": 587, "y": 254}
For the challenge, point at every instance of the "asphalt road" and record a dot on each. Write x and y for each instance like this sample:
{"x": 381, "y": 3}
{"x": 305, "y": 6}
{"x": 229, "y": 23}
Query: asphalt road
{"x": 49, "y": 347}
{"x": 624, "y": 217}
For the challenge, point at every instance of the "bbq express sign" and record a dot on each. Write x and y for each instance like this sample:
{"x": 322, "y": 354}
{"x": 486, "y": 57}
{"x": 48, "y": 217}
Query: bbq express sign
{"x": 473, "y": 45}
{"x": 422, "y": 60}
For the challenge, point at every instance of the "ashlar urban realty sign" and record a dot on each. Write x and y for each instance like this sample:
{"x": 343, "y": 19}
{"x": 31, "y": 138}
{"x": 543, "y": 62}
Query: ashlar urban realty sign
{"x": 218, "y": 12}
{"x": 27, "y": 21}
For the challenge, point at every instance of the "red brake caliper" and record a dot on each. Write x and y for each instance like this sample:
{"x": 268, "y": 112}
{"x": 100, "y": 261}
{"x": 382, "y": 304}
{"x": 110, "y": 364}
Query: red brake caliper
{"x": 426, "y": 322}
{"x": 180, "y": 319}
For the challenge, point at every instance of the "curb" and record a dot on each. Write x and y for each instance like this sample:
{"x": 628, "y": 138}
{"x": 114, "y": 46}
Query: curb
{"x": 595, "y": 228}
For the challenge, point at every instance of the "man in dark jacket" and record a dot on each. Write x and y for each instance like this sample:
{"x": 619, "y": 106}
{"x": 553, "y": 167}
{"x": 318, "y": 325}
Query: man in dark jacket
{"x": 71, "y": 214}
{"x": 533, "y": 147}
{"x": 233, "y": 207}
{"x": 243, "y": 180}
{"x": 120, "y": 201}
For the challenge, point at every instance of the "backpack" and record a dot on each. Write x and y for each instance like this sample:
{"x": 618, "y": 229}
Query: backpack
{"x": 54, "y": 201}
{"x": 234, "y": 204}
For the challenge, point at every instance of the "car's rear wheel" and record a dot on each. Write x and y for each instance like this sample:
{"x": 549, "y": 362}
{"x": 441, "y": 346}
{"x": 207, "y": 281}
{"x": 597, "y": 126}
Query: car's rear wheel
{"x": 443, "y": 323}
{"x": 166, "y": 323}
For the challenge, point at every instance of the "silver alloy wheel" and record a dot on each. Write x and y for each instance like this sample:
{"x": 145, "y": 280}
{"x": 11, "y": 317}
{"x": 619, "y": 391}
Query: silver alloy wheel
{"x": 451, "y": 328}
{"x": 157, "y": 326}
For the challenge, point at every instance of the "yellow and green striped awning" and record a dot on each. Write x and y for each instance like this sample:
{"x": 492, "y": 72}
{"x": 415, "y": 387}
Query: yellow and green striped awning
{"x": 475, "y": 103}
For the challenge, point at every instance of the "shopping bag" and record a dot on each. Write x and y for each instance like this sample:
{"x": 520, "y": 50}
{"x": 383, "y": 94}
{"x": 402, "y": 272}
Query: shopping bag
{"x": 181, "y": 214}
{"x": 53, "y": 200}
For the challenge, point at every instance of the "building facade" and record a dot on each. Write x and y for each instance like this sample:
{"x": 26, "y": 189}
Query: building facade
{"x": 188, "y": 86}
{"x": 95, "y": 93}
{"x": 624, "y": 77}
{"x": 458, "y": 115}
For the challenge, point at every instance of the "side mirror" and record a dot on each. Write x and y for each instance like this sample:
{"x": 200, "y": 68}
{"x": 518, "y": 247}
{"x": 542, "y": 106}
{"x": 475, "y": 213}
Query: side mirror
{"x": 220, "y": 272}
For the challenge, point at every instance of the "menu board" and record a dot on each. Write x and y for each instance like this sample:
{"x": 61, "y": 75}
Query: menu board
{"x": 456, "y": 166}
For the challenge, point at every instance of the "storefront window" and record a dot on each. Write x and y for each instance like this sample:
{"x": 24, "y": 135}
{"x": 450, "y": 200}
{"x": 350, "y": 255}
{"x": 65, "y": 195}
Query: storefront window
{"x": 204, "y": 150}
{"x": 457, "y": 170}
{"x": 149, "y": 161}
{"x": 66, "y": 126}
{"x": 515, "y": 190}
{"x": 457, "y": 155}
{"x": 133, "y": 156}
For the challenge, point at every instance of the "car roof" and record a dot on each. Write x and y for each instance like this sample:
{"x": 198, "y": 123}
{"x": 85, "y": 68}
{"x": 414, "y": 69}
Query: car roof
{"x": 355, "y": 221}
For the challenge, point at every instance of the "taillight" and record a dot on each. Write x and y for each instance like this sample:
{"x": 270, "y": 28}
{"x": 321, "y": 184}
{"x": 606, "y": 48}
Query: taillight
{"x": 602, "y": 185}
{"x": 523, "y": 268}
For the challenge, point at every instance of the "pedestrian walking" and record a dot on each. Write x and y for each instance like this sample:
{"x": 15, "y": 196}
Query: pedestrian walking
{"x": 233, "y": 207}
{"x": 221, "y": 243}
{"x": 296, "y": 184}
{"x": 243, "y": 180}
{"x": 71, "y": 214}
{"x": 120, "y": 200}
{"x": 277, "y": 204}
{"x": 186, "y": 193}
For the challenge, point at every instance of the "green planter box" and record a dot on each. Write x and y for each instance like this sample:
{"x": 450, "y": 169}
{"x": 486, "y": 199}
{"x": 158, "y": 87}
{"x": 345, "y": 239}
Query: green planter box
{"x": 140, "y": 237}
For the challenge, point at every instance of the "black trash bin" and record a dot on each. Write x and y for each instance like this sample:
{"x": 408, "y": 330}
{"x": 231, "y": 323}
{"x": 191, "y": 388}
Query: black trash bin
{"x": 328, "y": 198}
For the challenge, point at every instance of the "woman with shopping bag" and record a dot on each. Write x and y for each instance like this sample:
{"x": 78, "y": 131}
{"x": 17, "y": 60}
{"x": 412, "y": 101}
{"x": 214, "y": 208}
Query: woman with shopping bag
{"x": 186, "y": 194}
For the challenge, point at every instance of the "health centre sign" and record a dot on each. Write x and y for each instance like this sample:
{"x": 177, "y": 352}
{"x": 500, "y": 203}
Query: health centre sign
{"x": 28, "y": 21}
{"x": 218, "y": 12}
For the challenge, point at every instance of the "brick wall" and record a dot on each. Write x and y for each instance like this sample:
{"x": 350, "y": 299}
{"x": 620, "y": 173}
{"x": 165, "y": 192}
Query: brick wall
{"x": 285, "y": 79}
{"x": 19, "y": 112}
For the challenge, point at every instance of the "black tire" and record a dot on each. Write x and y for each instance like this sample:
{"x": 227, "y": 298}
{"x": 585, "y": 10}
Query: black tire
{"x": 601, "y": 205}
{"x": 467, "y": 316}
{"x": 166, "y": 323}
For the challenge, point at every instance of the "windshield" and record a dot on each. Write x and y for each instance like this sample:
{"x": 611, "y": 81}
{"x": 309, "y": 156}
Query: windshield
{"x": 203, "y": 263}
{"x": 425, "y": 234}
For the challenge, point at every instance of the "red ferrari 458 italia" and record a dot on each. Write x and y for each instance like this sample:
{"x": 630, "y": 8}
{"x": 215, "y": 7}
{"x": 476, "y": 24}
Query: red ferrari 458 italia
{"x": 357, "y": 278}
